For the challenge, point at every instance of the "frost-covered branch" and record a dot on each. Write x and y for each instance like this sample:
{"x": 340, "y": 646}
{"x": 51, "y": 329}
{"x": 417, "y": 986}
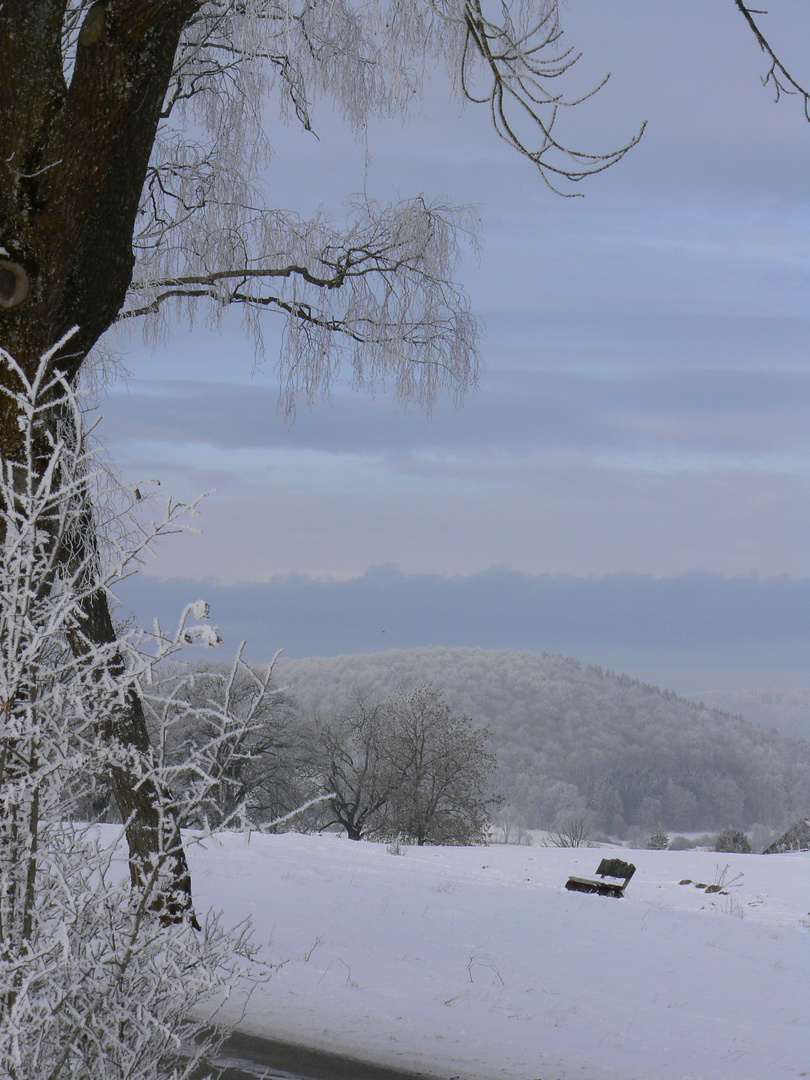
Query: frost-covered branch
{"x": 207, "y": 231}
{"x": 93, "y": 982}
{"x": 378, "y": 294}
{"x": 505, "y": 66}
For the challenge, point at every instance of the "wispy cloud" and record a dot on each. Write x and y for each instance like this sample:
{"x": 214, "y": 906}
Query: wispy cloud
{"x": 646, "y": 401}
{"x": 690, "y": 633}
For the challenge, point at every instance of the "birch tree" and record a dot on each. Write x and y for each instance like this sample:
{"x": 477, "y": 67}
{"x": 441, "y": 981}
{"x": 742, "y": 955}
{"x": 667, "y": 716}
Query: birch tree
{"x": 132, "y": 133}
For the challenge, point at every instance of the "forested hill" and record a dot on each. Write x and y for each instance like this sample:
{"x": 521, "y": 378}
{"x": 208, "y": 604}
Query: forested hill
{"x": 570, "y": 737}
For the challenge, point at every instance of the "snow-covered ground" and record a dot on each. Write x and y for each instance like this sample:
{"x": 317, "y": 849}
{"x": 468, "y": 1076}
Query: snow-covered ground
{"x": 475, "y": 962}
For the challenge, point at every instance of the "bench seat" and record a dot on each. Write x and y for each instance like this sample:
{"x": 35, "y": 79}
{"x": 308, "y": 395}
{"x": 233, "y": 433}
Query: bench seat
{"x": 612, "y": 878}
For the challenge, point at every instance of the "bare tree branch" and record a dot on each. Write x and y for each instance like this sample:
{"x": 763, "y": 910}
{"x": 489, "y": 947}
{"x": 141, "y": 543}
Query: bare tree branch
{"x": 519, "y": 79}
{"x": 378, "y": 293}
{"x": 777, "y": 76}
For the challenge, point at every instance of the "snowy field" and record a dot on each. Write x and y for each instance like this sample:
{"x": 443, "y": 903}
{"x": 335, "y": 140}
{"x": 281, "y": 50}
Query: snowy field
{"x": 476, "y": 963}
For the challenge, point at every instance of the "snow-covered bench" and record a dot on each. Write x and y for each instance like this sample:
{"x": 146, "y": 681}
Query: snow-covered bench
{"x": 613, "y": 876}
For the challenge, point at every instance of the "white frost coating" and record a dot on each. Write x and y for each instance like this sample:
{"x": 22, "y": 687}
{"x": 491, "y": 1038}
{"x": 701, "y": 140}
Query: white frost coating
{"x": 91, "y": 982}
{"x": 209, "y": 637}
{"x": 200, "y": 609}
{"x": 374, "y": 293}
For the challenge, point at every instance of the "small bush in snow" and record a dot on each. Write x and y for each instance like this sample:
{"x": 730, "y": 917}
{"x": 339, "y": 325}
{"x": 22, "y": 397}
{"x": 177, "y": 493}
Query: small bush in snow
{"x": 733, "y": 840}
{"x": 576, "y": 830}
{"x": 659, "y": 841}
{"x": 681, "y": 843}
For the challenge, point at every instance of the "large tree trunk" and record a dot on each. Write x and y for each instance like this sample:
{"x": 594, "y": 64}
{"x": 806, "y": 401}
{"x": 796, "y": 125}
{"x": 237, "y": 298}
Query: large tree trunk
{"x": 73, "y": 160}
{"x": 152, "y": 829}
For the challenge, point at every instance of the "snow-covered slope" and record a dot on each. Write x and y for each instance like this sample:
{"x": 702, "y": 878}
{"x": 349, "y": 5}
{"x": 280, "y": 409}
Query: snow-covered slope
{"x": 476, "y": 962}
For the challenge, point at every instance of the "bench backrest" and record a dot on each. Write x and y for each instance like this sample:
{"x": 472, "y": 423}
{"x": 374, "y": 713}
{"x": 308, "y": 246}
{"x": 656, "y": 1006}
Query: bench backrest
{"x": 616, "y": 868}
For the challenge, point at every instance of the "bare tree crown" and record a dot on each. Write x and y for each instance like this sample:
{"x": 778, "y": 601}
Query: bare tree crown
{"x": 377, "y": 291}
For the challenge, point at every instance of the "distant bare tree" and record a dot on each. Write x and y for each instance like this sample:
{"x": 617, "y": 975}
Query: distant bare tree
{"x": 444, "y": 767}
{"x": 406, "y": 767}
{"x": 352, "y": 754}
{"x": 576, "y": 830}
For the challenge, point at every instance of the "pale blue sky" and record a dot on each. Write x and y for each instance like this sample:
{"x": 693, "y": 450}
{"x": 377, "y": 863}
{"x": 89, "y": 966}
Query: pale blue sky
{"x": 645, "y": 401}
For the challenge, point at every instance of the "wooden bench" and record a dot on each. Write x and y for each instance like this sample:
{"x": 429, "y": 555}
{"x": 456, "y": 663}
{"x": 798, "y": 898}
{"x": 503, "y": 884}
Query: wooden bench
{"x": 612, "y": 879}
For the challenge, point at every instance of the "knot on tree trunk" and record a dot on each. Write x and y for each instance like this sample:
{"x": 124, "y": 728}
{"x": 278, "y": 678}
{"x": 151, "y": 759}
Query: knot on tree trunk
{"x": 94, "y": 25}
{"x": 14, "y": 284}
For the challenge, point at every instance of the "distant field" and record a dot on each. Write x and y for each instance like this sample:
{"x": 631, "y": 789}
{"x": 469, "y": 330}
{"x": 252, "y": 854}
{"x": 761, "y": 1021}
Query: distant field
{"x": 476, "y": 962}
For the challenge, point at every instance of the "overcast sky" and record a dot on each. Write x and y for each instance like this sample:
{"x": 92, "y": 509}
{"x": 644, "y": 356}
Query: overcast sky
{"x": 630, "y": 483}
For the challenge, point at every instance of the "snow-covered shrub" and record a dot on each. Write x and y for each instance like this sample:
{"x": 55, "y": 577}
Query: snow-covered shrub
{"x": 681, "y": 843}
{"x": 733, "y": 840}
{"x": 95, "y": 979}
{"x": 246, "y": 730}
{"x": 659, "y": 841}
